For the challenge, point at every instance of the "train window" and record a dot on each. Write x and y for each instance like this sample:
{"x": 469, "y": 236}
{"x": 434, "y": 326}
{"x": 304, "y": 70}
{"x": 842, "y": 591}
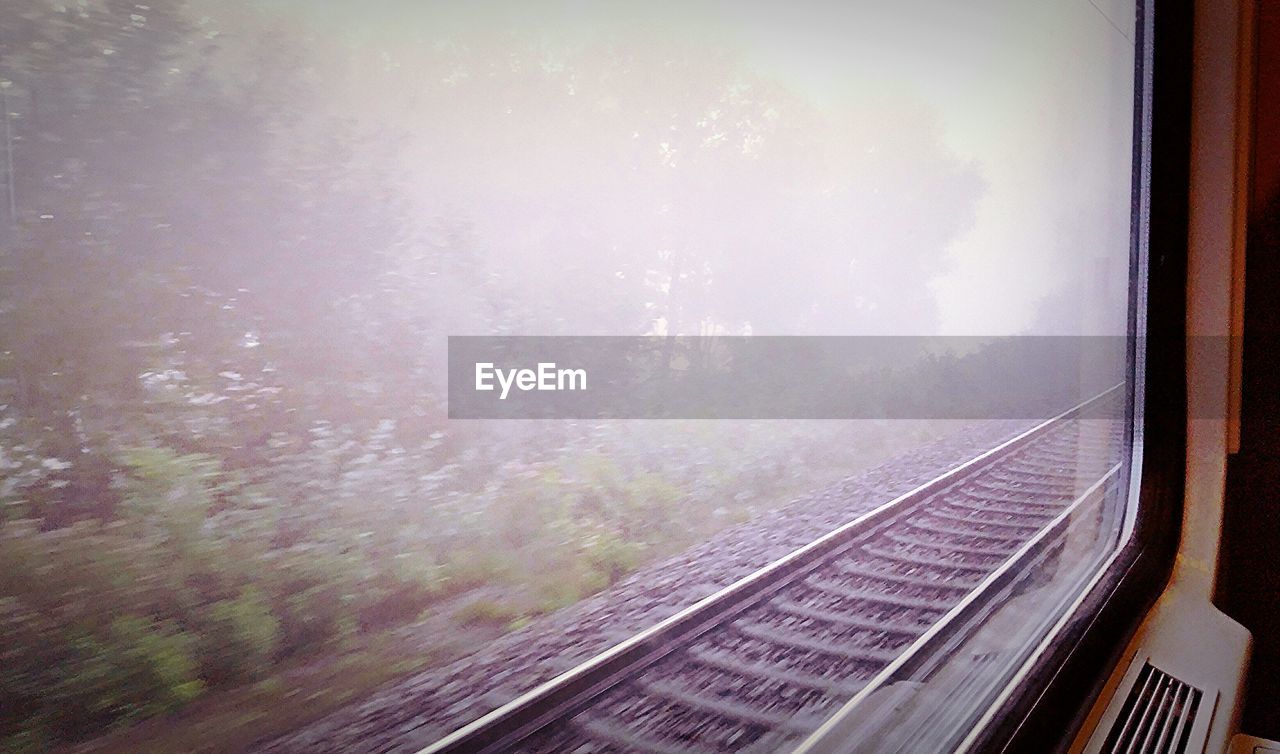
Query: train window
{"x": 548, "y": 376}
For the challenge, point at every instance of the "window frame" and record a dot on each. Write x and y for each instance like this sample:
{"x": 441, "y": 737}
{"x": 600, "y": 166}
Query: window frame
{"x": 1050, "y": 703}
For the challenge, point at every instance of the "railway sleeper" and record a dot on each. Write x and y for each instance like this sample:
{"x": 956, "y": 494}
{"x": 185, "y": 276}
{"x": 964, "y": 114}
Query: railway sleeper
{"x": 988, "y": 497}
{"x": 952, "y": 583}
{"x": 936, "y": 528}
{"x": 922, "y": 570}
{"x": 911, "y": 557}
{"x": 856, "y": 594}
{"x": 726, "y": 661}
{"x": 970, "y": 518}
{"x": 870, "y": 655}
{"x": 990, "y": 552}
{"x": 1065, "y": 488}
{"x": 1018, "y": 507}
{"x": 758, "y": 696}
{"x": 847, "y": 620}
{"x": 659, "y": 719}
{"x": 597, "y": 729}
{"x": 670, "y": 691}
{"x": 1017, "y": 488}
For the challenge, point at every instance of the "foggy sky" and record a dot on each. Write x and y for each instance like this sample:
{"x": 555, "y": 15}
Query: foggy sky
{"x": 1033, "y": 98}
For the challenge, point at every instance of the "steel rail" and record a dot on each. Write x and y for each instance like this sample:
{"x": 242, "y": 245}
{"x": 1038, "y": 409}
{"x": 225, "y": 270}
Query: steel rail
{"x": 560, "y": 696}
{"x": 834, "y": 735}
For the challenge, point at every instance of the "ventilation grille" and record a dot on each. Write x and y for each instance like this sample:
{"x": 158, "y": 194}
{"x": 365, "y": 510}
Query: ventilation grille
{"x": 1157, "y": 717}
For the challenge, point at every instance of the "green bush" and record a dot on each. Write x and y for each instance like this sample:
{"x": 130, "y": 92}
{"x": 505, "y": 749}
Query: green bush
{"x": 313, "y": 619}
{"x": 614, "y": 557}
{"x": 488, "y": 612}
{"x": 240, "y": 639}
{"x": 138, "y": 669}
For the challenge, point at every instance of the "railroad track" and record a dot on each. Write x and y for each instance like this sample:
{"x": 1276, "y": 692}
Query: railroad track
{"x": 768, "y": 660}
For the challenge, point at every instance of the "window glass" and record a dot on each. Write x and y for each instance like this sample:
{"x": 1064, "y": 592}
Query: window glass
{"x": 256, "y": 256}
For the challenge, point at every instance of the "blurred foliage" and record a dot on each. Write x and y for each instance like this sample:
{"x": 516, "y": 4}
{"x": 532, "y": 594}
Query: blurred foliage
{"x": 202, "y": 579}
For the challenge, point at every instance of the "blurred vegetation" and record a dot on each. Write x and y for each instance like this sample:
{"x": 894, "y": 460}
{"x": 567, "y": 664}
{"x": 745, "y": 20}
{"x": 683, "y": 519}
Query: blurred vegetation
{"x": 203, "y": 578}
